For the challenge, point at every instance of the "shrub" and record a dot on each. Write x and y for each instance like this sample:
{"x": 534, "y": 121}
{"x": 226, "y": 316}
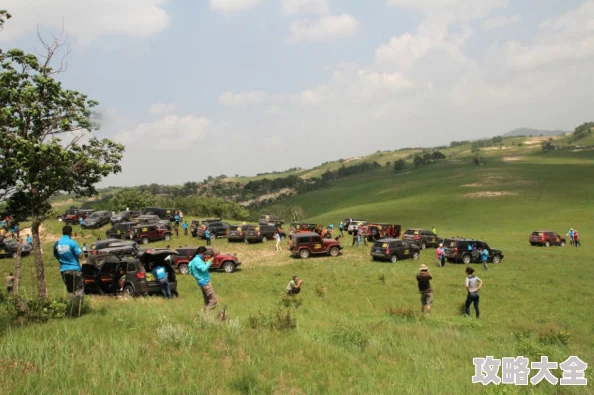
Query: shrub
{"x": 382, "y": 278}
{"x": 554, "y": 337}
{"x": 291, "y": 301}
{"x": 175, "y": 335}
{"x": 321, "y": 291}
{"x": 353, "y": 337}
{"x": 279, "y": 319}
{"x": 406, "y": 313}
{"x": 399, "y": 165}
{"x": 23, "y": 311}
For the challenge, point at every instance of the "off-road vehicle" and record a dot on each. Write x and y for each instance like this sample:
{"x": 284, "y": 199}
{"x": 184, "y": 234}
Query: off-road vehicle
{"x": 263, "y": 233}
{"x": 422, "y": 237}
{"x": 111, "y": 274}
{"x": 197, "y": 225}
{"x": 546, "y": 238}
{"x": 8, "y": 248}
{"x": 72, "y": 216}
{"x": 125, "y": 216}
{"x": 96, "y": 220}
{"x": 304, "y": 227}
{"x": 163, "y": 213}
{"x": 304, "y": 245}
{"x": 270, "y": 220}
{"x": 456, "y": 250}
{"x": 393, "y": 250}
{"x": 220, "y": 261}
{"x": 114, "y": 247}
{"x": 381, "y": 230}
{"x": 145, "y": 233}
{"x": 216, "y": 229}
{"x": 348, "y": 222}
{"x": 120, "y": 230}
{"x": 237, "y": 232}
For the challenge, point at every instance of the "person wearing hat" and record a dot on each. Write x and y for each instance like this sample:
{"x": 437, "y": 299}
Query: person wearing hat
{"x": 67, "y": 252}
{"x": 423, "y": 280}
{"x": 199, "y": 269}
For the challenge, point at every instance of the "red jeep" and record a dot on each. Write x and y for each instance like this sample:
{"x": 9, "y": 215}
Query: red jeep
{"x": 226, "y": 262}
{"x": 306, "y": 244}
{"x": 72, "y": 216}
{"x": 546, "y": 238}
{"x": 153, "y": 232}
{"x": 380, "y": 230}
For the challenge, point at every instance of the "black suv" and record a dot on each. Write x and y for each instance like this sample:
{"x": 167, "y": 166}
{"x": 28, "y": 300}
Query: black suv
{"x": 8, "y": 248}
{"x": 198, "y": 227}
{"x": 422, "y": 237}
{"x": 217, "y": 229}
{"x": 263, "y": 233}
{"x": 96, "y": 220}
{"x": 394, "y": 250}
{"x": 238, "y": 232}
{"x": 114, "y": 247}
{"x": 124, "y": 216}
{"x": 133, "y": 276}
{"x": 456, "y": 250}
{"x": 163, "y": 213}
{"x": 120, "y": 230}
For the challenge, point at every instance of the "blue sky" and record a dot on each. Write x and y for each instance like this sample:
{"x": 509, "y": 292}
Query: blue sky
{"x": 204, "y": 87}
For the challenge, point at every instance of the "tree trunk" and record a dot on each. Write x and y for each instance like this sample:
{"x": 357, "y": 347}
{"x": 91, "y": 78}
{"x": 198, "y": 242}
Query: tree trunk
{"x": 40, "y": 270}
{"x": 17, "y": 269}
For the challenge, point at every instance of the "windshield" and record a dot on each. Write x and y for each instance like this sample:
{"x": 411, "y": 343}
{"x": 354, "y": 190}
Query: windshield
{"x": 94, "y": 215}
{"x": 10, "y": 243}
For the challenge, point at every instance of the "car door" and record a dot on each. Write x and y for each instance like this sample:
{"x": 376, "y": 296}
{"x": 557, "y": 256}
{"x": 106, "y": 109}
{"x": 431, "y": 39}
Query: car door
{"x": 407, "y": 250}
{"x": 317, "y": 245}
{"x": 153, "y": 232}
{"x": 396, "y": 247}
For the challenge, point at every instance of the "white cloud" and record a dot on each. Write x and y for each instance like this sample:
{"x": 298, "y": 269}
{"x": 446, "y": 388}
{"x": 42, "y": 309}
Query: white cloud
{"x": 292, "y": 7}
{"x": 248, "y": 98}
{"x": 326, "y": 28}
{"x": 499, "y": 22}
{"x": 86, "y": 20}
{"x": 457, "y": 10}
{"x": 232, "y": 5}
{"x": 169, "y": 133}
{"x": 161, "y": 108}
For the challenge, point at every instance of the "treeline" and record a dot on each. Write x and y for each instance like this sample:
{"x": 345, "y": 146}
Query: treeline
{"x": 582, "y": 131}
{"x": 345, "y": 171}
{"x": 420, "y": 160}
{"x": 492, "y": 142}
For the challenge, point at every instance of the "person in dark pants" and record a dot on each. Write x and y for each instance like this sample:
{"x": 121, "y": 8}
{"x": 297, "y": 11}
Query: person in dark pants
{"x": 161, "y": 274}
{"x": 199, "y": 269}
{"x": 424, "y": 283}
{"x": 340, "y": 227}
{"x": 473, "y": 286}
{"x": 185, "y": 226}
{"x": 67, "y": 252}
{"x": 294, "y": 286}
{"x": 207, "y": 236}
{"x": 9, "y": 283}
{"x": 355, "y": 235}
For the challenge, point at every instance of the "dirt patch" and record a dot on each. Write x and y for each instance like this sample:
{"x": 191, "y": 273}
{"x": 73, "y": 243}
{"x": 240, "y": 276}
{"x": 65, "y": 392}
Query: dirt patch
{"x": 501, "y": 147}
{"x": 474, "y": 185}
{"x": 489, "y": 194}
{"x": 539, "y": 140}
{"x": 274, "y": 195}
{"x": 512, "y": 158}
{"x": 352, "y": 159}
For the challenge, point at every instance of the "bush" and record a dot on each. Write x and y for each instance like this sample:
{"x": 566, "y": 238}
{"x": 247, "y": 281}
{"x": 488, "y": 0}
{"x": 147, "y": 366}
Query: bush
{"x": 399, "y": 165}
{"x": 280, "y": 319}
{"x": 406, "y": 313}
{"x": 22, "y": 311}
{"x": 176, "y": 336}
{"x": 554, "y": 337}
{"x": 291, "y": 301}
{"x": 353, "y": 337}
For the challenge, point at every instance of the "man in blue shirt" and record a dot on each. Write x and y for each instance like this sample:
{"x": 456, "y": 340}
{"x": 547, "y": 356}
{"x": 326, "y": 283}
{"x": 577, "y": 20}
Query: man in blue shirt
{"x": 80, "y": 221}
{"x": 199, "y": 269}
{"x": 185, "y": 226}
{"x": 485, "y": 257}
{"x": 161, "y": 274}
{"x": 207, "y": 236}
{"x": 67, "y": 252}
{"x": 29, "y": 240}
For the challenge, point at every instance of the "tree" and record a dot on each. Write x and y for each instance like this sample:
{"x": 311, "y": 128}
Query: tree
{"x": 132, "y": 198}
{"x": 548, "y": 146}
{"x": 4, "y": 16}
{"x": 478, "y": 160}
{"x": 36, "y": 113}
{"x": 400, "y": 165}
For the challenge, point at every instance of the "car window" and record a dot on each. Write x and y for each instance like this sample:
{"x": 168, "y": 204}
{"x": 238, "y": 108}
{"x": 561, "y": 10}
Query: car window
{"x": 317, "y": 239}
{"x": 304, "y": 240}
{"x": 131, "y": 267}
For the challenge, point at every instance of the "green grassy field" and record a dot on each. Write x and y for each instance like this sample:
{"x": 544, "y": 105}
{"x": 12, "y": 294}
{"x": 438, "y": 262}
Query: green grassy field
{"x": 353, "y": 332}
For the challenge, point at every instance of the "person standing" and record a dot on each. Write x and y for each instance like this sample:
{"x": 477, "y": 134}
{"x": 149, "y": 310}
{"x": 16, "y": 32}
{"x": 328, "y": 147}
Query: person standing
{"x": 185, "y": 226}
{"x": 176, "y": 229}
{"x": 161, "y": 274}
{"x": 438, "y": 253}
{"x": 199, "y": 269}
{"x": 340, "y": 227}
{"x": 570, "y": 234}
{"x": 29, "y": 239}
{"x": 67, "y": 252}
{"x": 9, "y": 283}
{"x": 80, "y": 221}
{"x": 207, "y": 236}
{"x": 85, "y": 251}
{"x": 485, "y": 258}
{"x": 576, "y": 238}
{"x": 355, "y": 235}
{"x": 473, "y": 286}
{"x": 278, "y": 241}
{"x": 294, "y": 286}
{"x": 181, "y": 216}
{"x": 434, "y": 230}
{"x": 423, "y": 280}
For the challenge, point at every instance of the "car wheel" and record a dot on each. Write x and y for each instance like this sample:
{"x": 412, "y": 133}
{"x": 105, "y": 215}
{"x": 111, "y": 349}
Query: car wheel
{"x": 532, "y": 244}
{"x": 394, "y": 258}
{"x": 304, "y": 253}
{"x": 496, "y": 259}
{"x": 416, "y": 255}
{"x": 423, "y": 245}
{"x": 228, "y": 267}
{"x": 334, "y": 251}
{"x": 183, "y": 269}
{"x": 283, "y": 237}
{"x": 129, "y": 291}
{"x": 14, "y": 255}
{"x": 167, "y": 236}
{"x": 68, "y": 222}
{"x": 264, "y": 239}
{"x": 562, "y": 244}
{"x": 144, "y": 240}
{"x": 466, "y": 259}
{"x": 547, "y": 244}
{"x": 373, "y": 258}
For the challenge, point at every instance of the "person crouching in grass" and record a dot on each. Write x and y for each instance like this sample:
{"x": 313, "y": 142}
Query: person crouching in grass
{"x": 294, "y": 286}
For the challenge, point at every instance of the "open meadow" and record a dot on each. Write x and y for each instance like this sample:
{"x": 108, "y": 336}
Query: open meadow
{"x": 358, "y": 325}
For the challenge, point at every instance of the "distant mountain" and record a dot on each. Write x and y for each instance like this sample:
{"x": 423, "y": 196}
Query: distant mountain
{"x": 533, "y": 132}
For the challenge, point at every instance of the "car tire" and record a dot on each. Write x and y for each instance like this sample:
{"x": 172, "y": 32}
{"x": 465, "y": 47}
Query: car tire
{"x": 264, "y": 239}
{"x": 423, "y": 245}
{"x": 167, "y": 236}
{"x": 416, "y": 255}
{"x": 373, "y": 258}
{"x": 129, "y": 291}
{"x": 547, "y": 244}
{"x": 144, "y": 240}
{"x": 394, "y": 258}
{"x": 496, "y": 258}
{"x": 283, "y": 237}
{"x": 183, "y": 269}
{"x": 334, "y": 252}
{"x": 14, "y": 255}
{"x": 562, "y": 244}
{"x": 228, "y": 267}
{"x": 68, "y": 222}
{"x": 466, "y": 259}
{"x": 304, "y": 253}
